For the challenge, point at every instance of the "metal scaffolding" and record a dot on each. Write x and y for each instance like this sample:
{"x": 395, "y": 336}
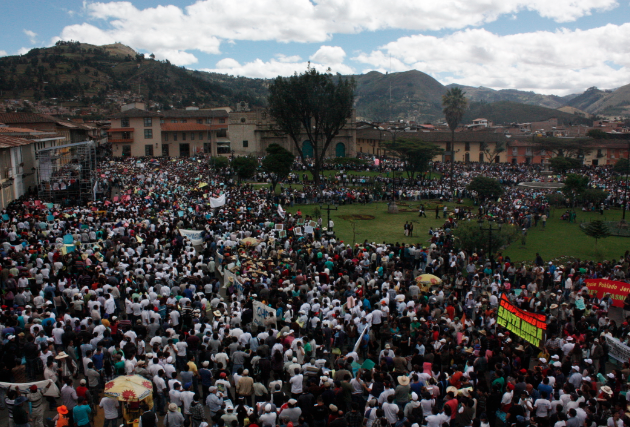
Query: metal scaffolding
{"x": 66, "y": 173}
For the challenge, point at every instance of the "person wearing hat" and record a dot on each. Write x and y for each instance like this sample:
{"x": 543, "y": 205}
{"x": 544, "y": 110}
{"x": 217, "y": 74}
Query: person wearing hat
{"x": 214, "y": 402}
{"x": 62, "y": 419}
{"x": 402, "y": 391}
{"x": 173, "y": 417}
{"x": 36, "y": 398}
{"x": 245, "y": 387}
{"x": 21, "y": 416}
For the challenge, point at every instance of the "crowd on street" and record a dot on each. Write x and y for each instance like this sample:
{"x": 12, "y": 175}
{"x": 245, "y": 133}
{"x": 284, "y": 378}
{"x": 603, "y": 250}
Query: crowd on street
{"x": 238, "y": 313}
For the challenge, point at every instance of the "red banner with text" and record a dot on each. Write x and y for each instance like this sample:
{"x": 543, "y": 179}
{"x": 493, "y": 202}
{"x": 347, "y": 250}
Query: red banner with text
{"x": 618, "y": 290}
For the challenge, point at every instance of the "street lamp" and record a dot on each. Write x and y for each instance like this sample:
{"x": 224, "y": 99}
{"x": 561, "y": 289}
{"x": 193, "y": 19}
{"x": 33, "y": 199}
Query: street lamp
{"x": 489, "y": 229}
{"x": 625, "y": 193}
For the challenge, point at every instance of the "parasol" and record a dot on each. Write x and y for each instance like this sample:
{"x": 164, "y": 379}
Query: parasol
{"x": 129, "y": 388}
{"x": 428, "y": 279}
{"x": 249, "y": 241}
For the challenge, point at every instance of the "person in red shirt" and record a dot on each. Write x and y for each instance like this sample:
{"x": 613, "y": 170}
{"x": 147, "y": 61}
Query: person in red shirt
{"x": 82, "y": 390}
{"x": 452, "y": 403}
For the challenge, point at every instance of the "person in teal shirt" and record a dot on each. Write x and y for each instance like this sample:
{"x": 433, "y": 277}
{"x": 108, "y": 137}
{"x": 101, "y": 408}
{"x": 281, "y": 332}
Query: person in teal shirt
{"x": 81, "y": 413}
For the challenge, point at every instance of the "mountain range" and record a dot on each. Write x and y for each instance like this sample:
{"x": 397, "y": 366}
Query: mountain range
{"x": 80, "y": 74}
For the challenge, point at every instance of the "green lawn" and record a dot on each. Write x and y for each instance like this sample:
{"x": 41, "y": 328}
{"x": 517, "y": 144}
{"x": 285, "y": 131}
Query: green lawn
{"x": 559, "y": 239}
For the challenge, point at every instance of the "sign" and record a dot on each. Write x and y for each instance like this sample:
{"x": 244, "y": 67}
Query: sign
{"x": 194, "y": 235}
{"x": 617, "y": 350}
{"x": 529, "y": 326}
{"x": 262, "y": 312}
{"x": 618, "y": 290}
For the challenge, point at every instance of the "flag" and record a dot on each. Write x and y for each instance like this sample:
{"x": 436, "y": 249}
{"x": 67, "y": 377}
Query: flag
{"x": 281, "y": 211}
{"x": 217, "y": 202}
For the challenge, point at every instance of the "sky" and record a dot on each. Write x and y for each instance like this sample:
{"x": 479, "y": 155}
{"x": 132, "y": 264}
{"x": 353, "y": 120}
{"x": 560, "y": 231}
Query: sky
{"x": 546, "y": 46}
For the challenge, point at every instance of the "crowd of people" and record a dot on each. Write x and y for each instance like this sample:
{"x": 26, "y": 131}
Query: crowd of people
{"x": 164, "y": 280}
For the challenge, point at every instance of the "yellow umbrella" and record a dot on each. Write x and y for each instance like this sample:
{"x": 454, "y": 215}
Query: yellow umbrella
{"x": 129, "y": 388}
{"x": 249, "y": 241}
{"x": 428, "y": 279}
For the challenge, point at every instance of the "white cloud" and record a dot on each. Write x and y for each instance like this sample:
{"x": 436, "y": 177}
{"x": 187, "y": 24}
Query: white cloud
{"x": 23, "y": 51}
{"x": 329, "y": 55}
{"x": 275, "y": 67}
{"x": 32, "y": 36}
{"x": 3, "y": 53}
{"x": 292, "y": 58}
{"x": 205, "y": 24}
{"x": 558, "y": 62}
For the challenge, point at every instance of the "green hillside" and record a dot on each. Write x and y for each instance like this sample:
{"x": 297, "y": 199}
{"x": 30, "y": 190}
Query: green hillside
{"x": 506, "y": 112}
{"x": 86, "y": 74}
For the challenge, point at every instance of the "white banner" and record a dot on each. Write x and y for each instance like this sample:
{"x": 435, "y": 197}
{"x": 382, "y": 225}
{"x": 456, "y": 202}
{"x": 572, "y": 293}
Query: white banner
{"x": 280, "y": 211}
{"x": 218, "y": 202}
{"x": 53, "y": 390}
{"x": 194, "y": 235}
{"x": 617, "y": 350}
{"x": 262, "y": 313}
{"x": 358, "y": 344}
{"x": 219, "y": 262}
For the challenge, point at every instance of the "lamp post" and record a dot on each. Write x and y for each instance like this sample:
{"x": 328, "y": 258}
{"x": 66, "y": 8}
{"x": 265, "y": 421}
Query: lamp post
{"x": 490, "y": 229}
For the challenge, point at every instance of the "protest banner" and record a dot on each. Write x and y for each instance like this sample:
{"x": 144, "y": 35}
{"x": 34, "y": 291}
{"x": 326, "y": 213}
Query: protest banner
{"x": 263, "y": 312}
{"x": 195, "y": 236}
{"x": 218, "y": 201}
{"x": 52, "y": 391}
{"x": 618, "y": 290}
{"x": 617, "y": 350}
{"x": 529, "y": 326}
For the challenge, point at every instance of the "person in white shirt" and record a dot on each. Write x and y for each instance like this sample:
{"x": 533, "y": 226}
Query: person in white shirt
{"x": 296, "y": 383}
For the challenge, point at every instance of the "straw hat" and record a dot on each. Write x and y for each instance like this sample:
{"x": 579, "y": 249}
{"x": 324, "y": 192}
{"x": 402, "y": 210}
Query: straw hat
{"x": 61, "y": 355}
{"x": 403, "y": 380}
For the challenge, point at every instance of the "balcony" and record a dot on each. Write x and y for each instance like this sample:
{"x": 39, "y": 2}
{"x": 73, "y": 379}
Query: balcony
{"x": 118, "y": 140}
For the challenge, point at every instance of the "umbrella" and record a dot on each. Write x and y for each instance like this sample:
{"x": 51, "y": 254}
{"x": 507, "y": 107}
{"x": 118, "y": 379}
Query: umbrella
{"x": 428, "y": 279}
{"x": 249, "y": 241}
{"x": 130, "y": 388}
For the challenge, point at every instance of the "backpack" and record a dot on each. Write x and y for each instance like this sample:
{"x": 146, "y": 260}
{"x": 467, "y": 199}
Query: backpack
{"x": 416, "y": 415}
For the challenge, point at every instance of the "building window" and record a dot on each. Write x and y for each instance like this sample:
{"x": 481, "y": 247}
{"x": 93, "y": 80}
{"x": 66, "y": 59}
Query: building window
{"x": 221, "y": 120}
{"x": 207, "y": 148}
{"x": 165, "y": 150}
{"x": 126, "y": 150}
{"x": 200, "y": 136}
{"x": 208, "y": 121}
{"x": 148, "y": 150}
{"x": 467, "y": 146}
{"x": 174, "y": 136}
{"x": 200, "y": 121}
{"x": 162, "y": 121}
{"x": 124, "y": 123}
{"x": 243, "y": 120}
{"x": 165, "y": 137}
{"x": 184, "y": 121}
{"x": 174, "y": 121}
{"x": 148, "y": 134}
{"x": 192, "y": 136}
{"x": 245, "y": 144}
{"x": 183, "y": 136}
{"x": 221, "y": 133}
{"x": 515, "y": 151}
{"x": 148, "y": 122}
{"x": 224, "y": 148}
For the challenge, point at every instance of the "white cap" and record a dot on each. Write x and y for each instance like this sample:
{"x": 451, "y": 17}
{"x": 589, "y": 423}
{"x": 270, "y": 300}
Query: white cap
{"x": 414, "y": 396}
{"x": 543, "y": 360}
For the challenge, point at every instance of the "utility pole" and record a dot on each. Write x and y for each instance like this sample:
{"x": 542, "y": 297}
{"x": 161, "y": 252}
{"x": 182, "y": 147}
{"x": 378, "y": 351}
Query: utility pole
{"x": 625, "y": 193}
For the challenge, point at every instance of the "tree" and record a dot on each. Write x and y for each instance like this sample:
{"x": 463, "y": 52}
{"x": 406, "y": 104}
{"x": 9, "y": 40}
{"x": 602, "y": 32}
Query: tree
{"x": 245, "y": 167}
{"x": 597, "y": 134}
{"x": 469, "y": 237}
{"x": 277, "y": 163}
{"x": 485, "y": 187}
{"x": 574, "y": 185}
{"x": 561, "y": 164}
{"x": 594, "y": 195}
{"x": 454, "y": 103}
{"x": 416, "y": 154}
{"x": 218, "y": 162}
{"x": 596, "y": 229}
{"x": 564, "y": 147}
{"x": 491, "y": 152}
{"x": 622, "y": 167}
{"x": 314, "y": 104}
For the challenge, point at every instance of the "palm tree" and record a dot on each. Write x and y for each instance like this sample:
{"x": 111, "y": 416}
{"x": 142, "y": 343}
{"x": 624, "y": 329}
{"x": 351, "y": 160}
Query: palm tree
{"x": 454, "y": 103}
